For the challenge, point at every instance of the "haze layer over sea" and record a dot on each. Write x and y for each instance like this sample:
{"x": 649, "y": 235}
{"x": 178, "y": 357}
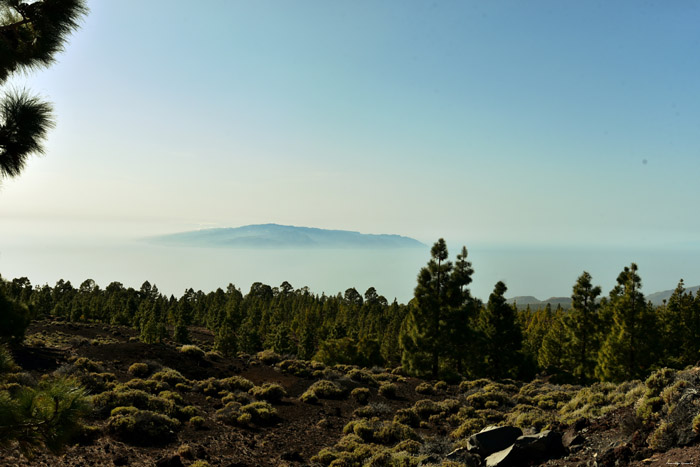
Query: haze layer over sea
{"x": 527, "y": 270}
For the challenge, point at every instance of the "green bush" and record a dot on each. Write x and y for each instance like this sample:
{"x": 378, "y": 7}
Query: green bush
{"x": 425, "y": 388}
{"x": 256, "y": 412}
{"x": 109, "y": 400}
{"x": 407, "y": 417}
{"x": 192, "y": 351}
{"x": 7, "y": 363}
{"x": 150, "y": 386}
{"x": 197, "y": 422}
{"x": 362, "y": 376}
{"x": 388, "y": 390}
{"x": 139, "y": 370}
{"x": 361, "y": 395}
{"x": 270, "y": 392}
{"x": 170, "y": 376}
{"x": 142, "y": 427}
{"x": 381, "y": 432}
{"x": 269, "y": 357}
{"x": 323, "y": 389}
{"x": 299, "y": 368}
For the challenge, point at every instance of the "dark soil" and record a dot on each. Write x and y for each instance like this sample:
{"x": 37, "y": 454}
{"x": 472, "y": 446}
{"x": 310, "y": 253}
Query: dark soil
{"x": 301, "y": 429}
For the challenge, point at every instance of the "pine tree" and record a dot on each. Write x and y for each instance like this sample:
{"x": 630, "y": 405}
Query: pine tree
{"x": 502, "y": 336}
{"x": 628, "y": 350}
{"x": 582, "y": 327}
{"x": 426, "y": 336}
{"x": 31, "y": 34}
{"x": 551, "y": 353}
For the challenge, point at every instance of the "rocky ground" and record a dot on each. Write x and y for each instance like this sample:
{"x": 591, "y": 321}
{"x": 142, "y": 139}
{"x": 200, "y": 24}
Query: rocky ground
{"x": 315, "y": 432}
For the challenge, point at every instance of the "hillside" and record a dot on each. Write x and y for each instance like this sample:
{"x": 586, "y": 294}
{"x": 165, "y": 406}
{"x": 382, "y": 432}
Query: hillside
{"x": 250, "y": 410}
{"x": 284, "y": 236}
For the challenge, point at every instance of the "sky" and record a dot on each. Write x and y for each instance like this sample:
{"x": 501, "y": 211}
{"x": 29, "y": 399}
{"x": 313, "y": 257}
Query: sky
{"x": 489, "y": 123}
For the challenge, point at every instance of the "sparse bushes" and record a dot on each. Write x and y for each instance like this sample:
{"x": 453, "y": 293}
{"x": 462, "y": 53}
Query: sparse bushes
{"x": 322, "y": 389}
{"x": 269, "y": 357}
{"x": 361, "y": 395}
{"x": 425, "y": 389}
{"x": 377, "y": 431}
{"x": 197, "y": 422}
{"x": 192, "y": 351}
{"x": 170, "y": 376}
{"x": 259, "y": 412}
{"x": 388, "y": 390}
{"x": 142, "y": 427}
{"x": 270, "y": 392}
{"x": 125, "y": 397}
{"x": 140, "y": 370}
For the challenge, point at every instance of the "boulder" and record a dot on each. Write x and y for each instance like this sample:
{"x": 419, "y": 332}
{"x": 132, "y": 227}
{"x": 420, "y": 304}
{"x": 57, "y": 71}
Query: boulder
{"x": 528, "y": 449}
{"x": 492, "y": 439}
{"x": 572, "y": 438}
{"x": 545, "y": 444}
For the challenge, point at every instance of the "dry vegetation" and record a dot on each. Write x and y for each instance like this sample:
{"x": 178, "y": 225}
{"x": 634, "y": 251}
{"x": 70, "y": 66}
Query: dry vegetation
{"x": 157, "y": 402}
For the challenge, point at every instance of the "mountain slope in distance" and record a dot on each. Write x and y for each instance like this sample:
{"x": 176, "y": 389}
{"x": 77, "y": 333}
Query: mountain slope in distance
{"x": 284, "y": 236}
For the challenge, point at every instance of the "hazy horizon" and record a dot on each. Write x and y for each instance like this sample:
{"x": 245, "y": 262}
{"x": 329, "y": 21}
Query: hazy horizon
{"x": 529, "y": 132}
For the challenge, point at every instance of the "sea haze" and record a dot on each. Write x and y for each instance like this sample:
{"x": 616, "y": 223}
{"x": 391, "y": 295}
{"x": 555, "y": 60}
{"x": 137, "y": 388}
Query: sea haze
{"x": 541, "y": 272}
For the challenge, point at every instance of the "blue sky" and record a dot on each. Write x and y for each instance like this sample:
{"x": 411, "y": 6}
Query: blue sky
{"x": 487, "y": 123}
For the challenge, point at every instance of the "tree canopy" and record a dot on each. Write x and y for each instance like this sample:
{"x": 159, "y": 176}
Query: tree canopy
{"x": 31, "y": 34}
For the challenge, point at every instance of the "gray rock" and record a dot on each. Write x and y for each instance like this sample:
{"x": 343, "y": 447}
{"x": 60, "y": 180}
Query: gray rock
{"x": 504, "y": 458}
{"x": 545, "y": 444}
{"x": 528, "y": 449}
{"x": 493, "y": 439}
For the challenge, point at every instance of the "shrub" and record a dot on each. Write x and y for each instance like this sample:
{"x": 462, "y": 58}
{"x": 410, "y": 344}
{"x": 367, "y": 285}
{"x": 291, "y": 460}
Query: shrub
{"x": 237, "y": 383}
{"x": 150, "y": 386}
{"x": 426, "y": 407}
{"x": 7, "y": 363}
{"x": 407, "y": 417}
{"x": 323, "y": 389}
{"x": 361, "y": 395}
{"x": 425, "y": 388}
{"x": 197, "y": 422}
{"x": 466, "y": 386}
{"x": 257, "y": 412}
{"x": 298, "y": 368}
{"x": 170, "y": 376}
{"x": 109, "y": 400}
{"x": 388, "y": 390}
{"x": 372, "y": 410}
{"x": 363, "y": 376}
{"x": 237, "y": 396}
{"x": 382, "y": 432}
{"x": 192, "y": 351}
{"x": 440, "y": 386}
{"x": 139, "y": 370}
{"x": 142, "y": 427}
{"x": 269, "y": 357}
{"x": 171, "y": 396}
{"x": 270, "y": 392}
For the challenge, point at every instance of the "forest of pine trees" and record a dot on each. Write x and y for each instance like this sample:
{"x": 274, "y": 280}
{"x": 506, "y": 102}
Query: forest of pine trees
{"x": 443, "y": 332}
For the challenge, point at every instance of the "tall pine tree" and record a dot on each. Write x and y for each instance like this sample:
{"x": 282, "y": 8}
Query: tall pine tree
{"x": 501, "y": 336}
{"x": 629, "y": 348}
{"x": 582, "y": 327}
{"x": 440, "y": 294}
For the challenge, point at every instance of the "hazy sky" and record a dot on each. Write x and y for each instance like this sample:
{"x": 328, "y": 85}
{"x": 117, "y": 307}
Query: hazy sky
{"x": 500, "y": 122}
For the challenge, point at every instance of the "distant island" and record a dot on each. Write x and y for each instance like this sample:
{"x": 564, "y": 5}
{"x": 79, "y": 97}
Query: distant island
{"x": 284, "y": 236}
{"x": 656, "y": 299}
